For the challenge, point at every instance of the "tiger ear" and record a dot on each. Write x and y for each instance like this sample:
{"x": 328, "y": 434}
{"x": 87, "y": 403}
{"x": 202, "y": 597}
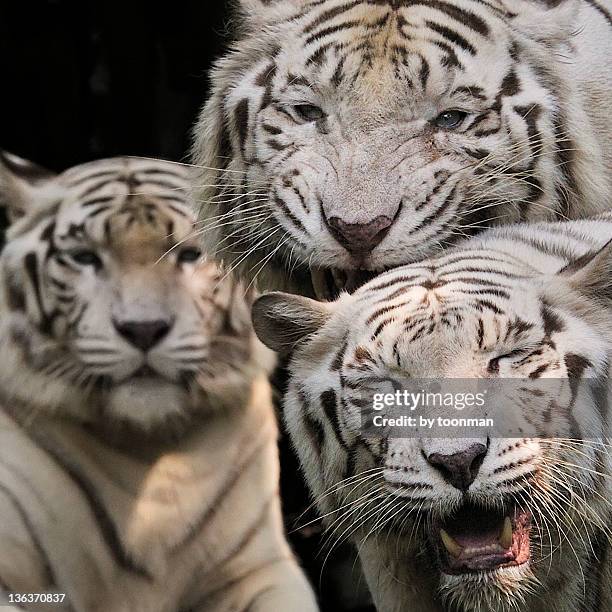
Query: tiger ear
{"x": 23, "y": 185}
{"x": 548, "y": 21}
{"x": 282, "y": 320}
{"x": 591, "y": 274}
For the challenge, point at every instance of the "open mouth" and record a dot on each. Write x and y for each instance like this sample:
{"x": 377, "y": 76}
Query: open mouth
{"x": 145, "y": 372}
{"x": 328, "y": 283}
{"x": 475, "y": 539}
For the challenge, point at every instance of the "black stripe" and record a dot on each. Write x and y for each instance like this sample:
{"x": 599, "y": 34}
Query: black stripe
{"x": 235, "y": 473}
{"x": 241, "y": 120}
{"x": 180, "y": 212}
{"x": 27, "y": 523}
{"x": 464, "y": 17}
{"x": 329, "y": 403}
{"x": 332, "y": 30}
{"x": 487, "y": 304}
{"x": 108, "y": 529}
{"x": 15, "y": 296}
{"x": 392, "y": 282}
{"x": 107, "y": 174}
{"x": 277, "y": 146}
{"x": 450, "y": 59}
{"x": 97, "y": 211}
{"x": 100, "y": 200}
{"x": 511, "y": 85}
{"x": 557, "y": 249}
{"x": 157, "y": 183}
{"x": 93, "y": 188}
{"x": 165, "y": 171}
{"x": 285, "y": 209}
{"x": 265, "y": 80}
{"x": 604, "y": 11}
{"x": 436, "y": 213}
{"x": 271, "y": 129}
{"x": 330, "y": 14}
{"x": 473, "y": 91}
{"x": 424, "y": 73}
{"x": 336, "y": 363}
{"x": 552, "y": 323}
{"x": 452, "y": 36}
{"x": 381, "y": 327}
{"x": 31, "y": 267}
{"x": 248, "y": 536}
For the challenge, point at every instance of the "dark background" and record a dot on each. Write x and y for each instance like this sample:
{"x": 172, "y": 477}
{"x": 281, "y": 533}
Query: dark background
{"x": 82, "y": 80}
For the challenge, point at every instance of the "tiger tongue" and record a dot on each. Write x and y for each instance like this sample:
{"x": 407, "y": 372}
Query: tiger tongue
{"x": 480, "y": 536}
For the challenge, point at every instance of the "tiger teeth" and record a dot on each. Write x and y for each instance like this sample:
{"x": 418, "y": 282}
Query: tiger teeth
{"x": 451, "y": 546}
{"x": 319, "y": 283}
{"x": 505, "y": 539}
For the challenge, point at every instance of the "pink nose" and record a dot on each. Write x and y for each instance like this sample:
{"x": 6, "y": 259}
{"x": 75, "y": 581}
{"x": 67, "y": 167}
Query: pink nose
{"x": 360, "y": 238}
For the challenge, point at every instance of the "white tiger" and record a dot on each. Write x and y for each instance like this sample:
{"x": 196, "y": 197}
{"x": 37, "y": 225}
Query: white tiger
{"x": 345, "y": 137}
{"x": 488, "y": 523}
{"x": 138, "y": 459}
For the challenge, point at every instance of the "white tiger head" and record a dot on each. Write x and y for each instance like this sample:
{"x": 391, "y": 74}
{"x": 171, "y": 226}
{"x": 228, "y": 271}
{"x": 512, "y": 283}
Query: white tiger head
{"x": 350, "y": 137}
{"x": 495, "y": 516}
{"x": 109, "y": 311}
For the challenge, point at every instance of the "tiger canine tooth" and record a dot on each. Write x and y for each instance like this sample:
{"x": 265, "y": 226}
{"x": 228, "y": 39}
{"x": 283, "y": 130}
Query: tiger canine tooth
{"x": 319, "y": 283}
{"x": 449, "y": 543}
{"x": 505, "y": 539}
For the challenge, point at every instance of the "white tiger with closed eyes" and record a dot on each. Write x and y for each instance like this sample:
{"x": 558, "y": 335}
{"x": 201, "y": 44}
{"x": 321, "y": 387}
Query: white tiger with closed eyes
{"x": 489, "y": 523}
{"x": 345, "y": 137}
{"x": 138, "y": 456}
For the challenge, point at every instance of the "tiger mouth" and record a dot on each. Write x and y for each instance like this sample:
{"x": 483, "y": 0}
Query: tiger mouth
{"x": 328, "y": 283}
{"x": 476, "y": 540}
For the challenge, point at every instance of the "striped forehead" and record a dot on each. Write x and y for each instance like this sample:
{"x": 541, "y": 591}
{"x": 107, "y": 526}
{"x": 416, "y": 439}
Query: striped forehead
{"x": 383, "y": 28}
{"x": 123, "y": 192}
{"x": 479, "y": 279}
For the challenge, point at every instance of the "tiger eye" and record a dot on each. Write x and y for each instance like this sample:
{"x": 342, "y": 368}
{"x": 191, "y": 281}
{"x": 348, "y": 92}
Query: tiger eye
{"x": 450, "y": 119}
{"x": 309, "y": 112}
{"x": 189, "y": 255}
{"x": 86, "y": 257}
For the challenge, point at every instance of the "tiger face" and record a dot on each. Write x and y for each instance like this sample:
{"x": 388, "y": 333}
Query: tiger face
{"x": 365, "y": 135}
{"x": 498, "y": 521}
{"x": 109, "y": 311}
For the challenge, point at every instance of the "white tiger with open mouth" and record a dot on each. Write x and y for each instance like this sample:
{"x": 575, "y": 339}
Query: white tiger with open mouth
{"x": 138, "y": 441}
{"x": 488, "y": 524}
{"x": 346, "y": 137}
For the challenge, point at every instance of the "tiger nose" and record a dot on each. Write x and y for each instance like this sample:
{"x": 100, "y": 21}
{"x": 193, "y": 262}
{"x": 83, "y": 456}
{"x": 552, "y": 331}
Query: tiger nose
{"x": 143, "y": 334}
{"x": 360, "y": 238}
{"x": 459, "y": 469}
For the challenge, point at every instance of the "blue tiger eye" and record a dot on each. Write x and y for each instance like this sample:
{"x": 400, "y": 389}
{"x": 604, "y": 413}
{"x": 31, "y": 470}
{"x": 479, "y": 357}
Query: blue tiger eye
{"x": 450, "y": 119}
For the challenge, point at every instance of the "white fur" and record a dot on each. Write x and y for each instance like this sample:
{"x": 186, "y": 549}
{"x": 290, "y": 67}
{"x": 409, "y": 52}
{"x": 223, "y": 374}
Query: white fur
{"x": 148, "y": 494}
